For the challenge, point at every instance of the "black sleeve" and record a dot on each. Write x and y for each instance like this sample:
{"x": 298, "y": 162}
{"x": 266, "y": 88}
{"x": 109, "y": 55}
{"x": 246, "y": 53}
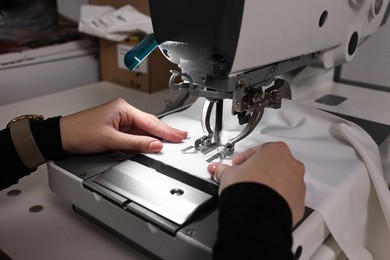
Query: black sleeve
{"x": 255, "y": 222}
{"x": 47, "y": 135}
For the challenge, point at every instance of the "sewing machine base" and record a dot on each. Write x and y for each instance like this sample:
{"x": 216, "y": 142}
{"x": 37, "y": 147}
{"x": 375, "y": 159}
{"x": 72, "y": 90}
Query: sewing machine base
{"x": 159, "y": 237}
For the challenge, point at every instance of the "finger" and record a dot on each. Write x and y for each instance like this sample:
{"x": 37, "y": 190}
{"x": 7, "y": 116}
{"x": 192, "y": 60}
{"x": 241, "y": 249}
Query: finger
{"x": 212, "y": 167}
{"x": 137, "y": 143}
{"x": 243, "y": 157}
{"x": 156, "y": 127}
{"x": 215, "y": 170}
{"x": 136, "y": 131}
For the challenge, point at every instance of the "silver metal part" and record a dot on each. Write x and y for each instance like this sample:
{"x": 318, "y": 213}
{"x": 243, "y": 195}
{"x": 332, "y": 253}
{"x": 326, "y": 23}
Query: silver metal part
{"x": 156, "y": 192}
{"x": 206, "y": 113}
{"x": 227, "y": 87}
{"x": 248, "y": 100}
{"x": 211, "y": 138}
{"x": 187, "y": 82}
{"x": 252, "y": 105}
{"x": 228, "y": 150}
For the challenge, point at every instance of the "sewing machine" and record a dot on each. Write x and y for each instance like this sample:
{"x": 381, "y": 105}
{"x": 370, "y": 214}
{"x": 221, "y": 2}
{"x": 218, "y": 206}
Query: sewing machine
{"x": 254, "y": 53}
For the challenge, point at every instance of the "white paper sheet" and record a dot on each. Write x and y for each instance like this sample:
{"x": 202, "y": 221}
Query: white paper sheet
{"x": 115, "y": 25}
{"x": 344, "y": 176}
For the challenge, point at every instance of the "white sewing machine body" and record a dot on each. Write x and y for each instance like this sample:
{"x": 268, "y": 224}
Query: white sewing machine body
{"x": 173, "y": 214}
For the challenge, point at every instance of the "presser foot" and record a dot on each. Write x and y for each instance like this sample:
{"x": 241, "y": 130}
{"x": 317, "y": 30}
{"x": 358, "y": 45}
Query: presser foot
{"x": 255, "y": 103}
{"x": 203, "y": 144}
{"x": 227, "y": 150}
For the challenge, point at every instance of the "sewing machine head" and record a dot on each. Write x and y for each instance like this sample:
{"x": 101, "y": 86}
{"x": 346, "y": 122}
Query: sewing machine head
{"x": 237, "y": 49}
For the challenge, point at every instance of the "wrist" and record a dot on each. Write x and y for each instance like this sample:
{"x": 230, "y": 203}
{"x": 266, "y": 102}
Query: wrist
{"x": 48, "y": 137}
{"x": 36, "y": 140}
{"x": 24, "y": 141}
{"x": 68, "y": 136}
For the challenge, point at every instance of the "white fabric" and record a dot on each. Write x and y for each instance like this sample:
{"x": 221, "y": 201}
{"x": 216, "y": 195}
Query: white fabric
{"x": 344, "y": 176}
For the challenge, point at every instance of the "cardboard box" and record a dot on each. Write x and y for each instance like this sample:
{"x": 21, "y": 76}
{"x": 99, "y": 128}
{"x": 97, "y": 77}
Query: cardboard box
{"x": 152, "y": 74}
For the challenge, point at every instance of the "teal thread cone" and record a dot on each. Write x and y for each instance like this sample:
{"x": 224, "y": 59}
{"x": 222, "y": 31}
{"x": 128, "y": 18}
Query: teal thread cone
{"x": 140, "y": 51}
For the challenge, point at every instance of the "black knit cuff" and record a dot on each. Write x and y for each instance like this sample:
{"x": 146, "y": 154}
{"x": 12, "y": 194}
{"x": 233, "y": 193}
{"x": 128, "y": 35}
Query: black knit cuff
{"x": 12, "y": 168}
{"x": 261, "y": 196}
{"x": 47, "y": 135}
{"x": 254, "y": 223}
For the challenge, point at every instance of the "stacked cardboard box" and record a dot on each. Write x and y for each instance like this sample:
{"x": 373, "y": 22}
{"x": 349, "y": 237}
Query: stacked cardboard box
{"x": 153, "y": 73}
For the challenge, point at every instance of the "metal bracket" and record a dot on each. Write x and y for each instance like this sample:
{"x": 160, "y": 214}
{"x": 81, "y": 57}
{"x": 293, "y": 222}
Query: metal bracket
{"x": 255, "y": 103}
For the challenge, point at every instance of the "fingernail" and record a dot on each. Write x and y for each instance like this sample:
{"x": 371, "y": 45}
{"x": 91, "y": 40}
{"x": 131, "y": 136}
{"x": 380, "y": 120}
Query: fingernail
{"x": 211, "y": 168}
{"x": 155, "y": 146}
{"x": 184, "y": 134}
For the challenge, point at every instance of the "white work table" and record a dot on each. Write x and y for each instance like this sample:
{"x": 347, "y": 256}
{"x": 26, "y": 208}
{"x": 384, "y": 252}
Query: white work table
{"x": 57, "y": 232}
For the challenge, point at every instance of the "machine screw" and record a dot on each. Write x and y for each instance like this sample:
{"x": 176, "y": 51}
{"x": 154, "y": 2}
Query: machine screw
{"x": 167, "y": 53}
{"x": 177, "y": 192}
{"x": 191, "y": 232}
{"x": 13, "y": 193}
{"x": 241, "y": 83}
{"x": 36, "y": 209}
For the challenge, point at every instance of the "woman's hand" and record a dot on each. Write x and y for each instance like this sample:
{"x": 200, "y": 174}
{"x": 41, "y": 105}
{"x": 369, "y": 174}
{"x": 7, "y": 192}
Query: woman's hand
{"x": 270, "y": 164}
{"x": 115, "y": 126}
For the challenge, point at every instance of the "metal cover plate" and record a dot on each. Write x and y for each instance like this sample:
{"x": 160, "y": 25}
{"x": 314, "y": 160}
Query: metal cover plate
{"x": 161, "y": 194}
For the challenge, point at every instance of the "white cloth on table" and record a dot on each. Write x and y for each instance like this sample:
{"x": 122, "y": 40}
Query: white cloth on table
{"x": 344, "y": 176}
